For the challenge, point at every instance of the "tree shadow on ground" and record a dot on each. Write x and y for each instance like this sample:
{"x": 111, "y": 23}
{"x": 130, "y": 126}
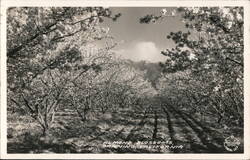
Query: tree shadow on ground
{"x": 34, "y": 144}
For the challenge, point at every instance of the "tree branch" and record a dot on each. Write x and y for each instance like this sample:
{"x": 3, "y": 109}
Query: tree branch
{"x": 232, "y": 60}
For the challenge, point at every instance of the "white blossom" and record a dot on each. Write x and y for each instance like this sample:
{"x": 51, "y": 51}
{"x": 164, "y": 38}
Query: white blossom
{"x": 173, "y": 13}
{"x": 239, "y": 17}
{"x": 153, "y": 20}
{"x": 164, "y": 11}
{"x": 196, "y": 10}
{"x": 94, "y": 13}
{"x": 226, "y": 13}
{"x": 229, "y": 24}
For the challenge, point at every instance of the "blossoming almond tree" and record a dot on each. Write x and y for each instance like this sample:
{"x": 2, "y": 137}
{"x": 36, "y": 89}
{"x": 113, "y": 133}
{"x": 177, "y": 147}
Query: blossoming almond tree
{"x": 212, "y": 51}
{"x": 42, "y": 47}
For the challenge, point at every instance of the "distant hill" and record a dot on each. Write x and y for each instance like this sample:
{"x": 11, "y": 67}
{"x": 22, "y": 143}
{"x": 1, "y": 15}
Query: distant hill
{"x": 153, "y": 70}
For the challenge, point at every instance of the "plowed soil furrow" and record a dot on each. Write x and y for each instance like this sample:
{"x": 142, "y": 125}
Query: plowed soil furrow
{"x": 204, "y": 136}
{"x": 171, "y": 128}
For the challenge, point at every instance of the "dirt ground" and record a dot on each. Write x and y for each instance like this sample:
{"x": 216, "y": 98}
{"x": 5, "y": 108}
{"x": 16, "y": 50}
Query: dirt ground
{"x": 162, "y": 130}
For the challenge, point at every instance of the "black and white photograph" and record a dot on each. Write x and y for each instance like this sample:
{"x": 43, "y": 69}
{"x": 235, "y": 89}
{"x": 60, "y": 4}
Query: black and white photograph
{"x": 125, "y": 79}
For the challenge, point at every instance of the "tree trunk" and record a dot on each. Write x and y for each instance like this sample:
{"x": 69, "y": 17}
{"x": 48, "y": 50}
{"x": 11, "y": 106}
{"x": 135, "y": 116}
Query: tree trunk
{"x": 219, "y": 119}
{"x": 45, "y": 131}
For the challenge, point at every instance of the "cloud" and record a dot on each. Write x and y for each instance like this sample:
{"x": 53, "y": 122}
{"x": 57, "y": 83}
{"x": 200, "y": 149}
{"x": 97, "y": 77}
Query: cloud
{"x": 143, "y": 50}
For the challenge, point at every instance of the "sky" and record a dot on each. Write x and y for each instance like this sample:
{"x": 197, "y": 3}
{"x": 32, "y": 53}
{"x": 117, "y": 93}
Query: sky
{"x": 142, "y": 41}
